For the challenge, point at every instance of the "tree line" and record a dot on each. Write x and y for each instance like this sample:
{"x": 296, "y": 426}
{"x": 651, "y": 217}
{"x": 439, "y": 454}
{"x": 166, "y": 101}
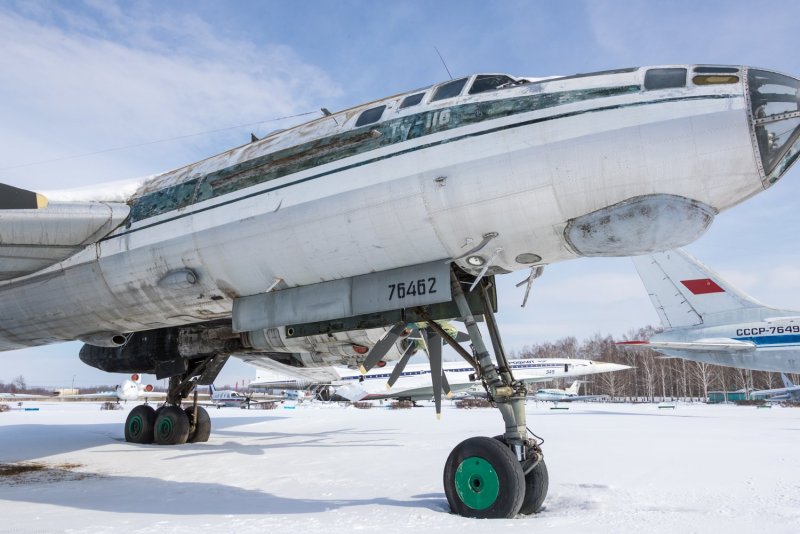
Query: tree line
{"x": 653, "y": 378}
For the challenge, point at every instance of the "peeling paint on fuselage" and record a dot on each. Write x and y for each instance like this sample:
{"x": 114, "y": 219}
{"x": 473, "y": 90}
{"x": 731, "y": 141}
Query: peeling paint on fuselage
{"x": 336, "y": 147}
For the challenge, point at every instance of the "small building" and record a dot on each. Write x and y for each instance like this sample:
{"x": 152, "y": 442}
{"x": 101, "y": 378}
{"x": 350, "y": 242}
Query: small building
{"x": 717, "y": 397}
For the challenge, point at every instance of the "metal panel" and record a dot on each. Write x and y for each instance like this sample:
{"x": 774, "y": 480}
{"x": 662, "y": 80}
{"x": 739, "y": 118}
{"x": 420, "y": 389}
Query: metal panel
{"x": 406, "y": 287}
{"x": 417, "y": 285}
{"x": 317, "y": 302}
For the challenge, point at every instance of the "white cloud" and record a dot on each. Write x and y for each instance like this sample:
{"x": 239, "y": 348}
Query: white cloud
{"x": 73, "y": 83}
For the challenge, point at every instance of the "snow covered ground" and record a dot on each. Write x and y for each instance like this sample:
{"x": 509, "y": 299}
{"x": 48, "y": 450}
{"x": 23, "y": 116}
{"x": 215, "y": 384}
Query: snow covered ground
{"x": 613, "y": 468}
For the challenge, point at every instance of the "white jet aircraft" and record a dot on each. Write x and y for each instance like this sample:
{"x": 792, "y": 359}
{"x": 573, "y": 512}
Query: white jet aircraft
{"x": 706, "y": 319}
{"x": 413, "y": 382}
{"x": 130, "y": 390}
{"x": 563, "y": 395}
{"x": 322, "y": 241}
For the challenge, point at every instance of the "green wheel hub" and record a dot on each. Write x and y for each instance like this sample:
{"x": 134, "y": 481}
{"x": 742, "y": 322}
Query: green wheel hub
{"x": 476, "y": 483}
{"x": 165, "y": 427}
{"x": 135, "y": 425}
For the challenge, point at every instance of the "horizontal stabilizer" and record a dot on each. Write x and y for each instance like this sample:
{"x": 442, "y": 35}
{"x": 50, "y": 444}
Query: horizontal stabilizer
{"x": 14, "y": 198}
{"x": 700, "y": 345}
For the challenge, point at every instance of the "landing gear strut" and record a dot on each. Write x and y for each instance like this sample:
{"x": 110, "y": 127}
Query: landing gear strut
{"x": 170, "y": 424}
{"x": 495, "y": 477}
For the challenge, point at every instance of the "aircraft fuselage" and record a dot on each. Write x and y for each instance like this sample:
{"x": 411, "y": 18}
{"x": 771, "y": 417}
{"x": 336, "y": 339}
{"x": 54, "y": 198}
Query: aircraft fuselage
{"x": 595, "y": 165}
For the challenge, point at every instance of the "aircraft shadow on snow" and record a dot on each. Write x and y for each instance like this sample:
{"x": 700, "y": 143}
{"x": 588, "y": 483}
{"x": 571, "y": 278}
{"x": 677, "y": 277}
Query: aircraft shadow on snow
{"x": 25, "y": 442}
{"x": 144, "y": 495}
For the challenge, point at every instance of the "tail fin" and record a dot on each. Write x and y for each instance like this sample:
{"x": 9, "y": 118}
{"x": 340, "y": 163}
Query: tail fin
{"x": 786, "y": 382}
{"x": 574, "y": 388}
{"x": 685, "y": 292}
{"x": 211, "y": 389}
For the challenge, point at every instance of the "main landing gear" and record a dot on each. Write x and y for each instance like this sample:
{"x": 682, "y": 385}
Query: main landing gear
{"x": 506, "y": 475}
{"x": 170, "y": 424}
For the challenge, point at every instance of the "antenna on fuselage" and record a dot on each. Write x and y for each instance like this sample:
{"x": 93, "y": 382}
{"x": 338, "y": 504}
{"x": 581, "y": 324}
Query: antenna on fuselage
{"x": 327, "y": 113}
{"x": 443, "y": 63}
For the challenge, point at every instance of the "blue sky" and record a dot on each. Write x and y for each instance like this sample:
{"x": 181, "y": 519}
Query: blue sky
{"x": 81, "y": 77}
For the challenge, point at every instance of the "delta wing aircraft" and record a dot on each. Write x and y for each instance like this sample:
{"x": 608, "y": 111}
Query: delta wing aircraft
{"x": 708, "y": 320}
{"x": 320, "y": 244}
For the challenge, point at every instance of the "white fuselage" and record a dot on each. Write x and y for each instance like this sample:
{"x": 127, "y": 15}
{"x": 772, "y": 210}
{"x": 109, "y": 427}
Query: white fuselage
{"x": 776, "y": 342}
{"x": 227, "y": 398}
{"x": 554, "y": 395}
{"x": 524, "y": 175}
{"x": 415, "y": 380}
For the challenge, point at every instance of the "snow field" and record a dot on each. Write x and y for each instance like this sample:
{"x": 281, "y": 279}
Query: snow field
{"x": 613, "y": 468}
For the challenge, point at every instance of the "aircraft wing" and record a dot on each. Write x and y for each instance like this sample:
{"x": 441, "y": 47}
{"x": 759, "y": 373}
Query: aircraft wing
{"x": 700, "y": 345}
{"x": 354, "y": 392}
{"x": 35, "y": 234}
{"x": 22, "y": 396}
{"x": 582, "y": 398}
{"x": 153, "y": 395}
{"x": 315, "y": 375}
{"x": 777, "y": 391}
{"x": 98, "y": 395}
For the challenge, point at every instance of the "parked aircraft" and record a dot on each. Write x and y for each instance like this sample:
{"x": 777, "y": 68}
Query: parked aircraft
{"x": 130, "y": 390}
{"x": 789, "y": 392}
{"x": 222, "y": 398}
{"x": 414, "y": 381}
{"x": 316, "y": 243}
{"x": 708, "y": 320}
{"x": 563, "y": 395}
{"x": 227, "y": 397}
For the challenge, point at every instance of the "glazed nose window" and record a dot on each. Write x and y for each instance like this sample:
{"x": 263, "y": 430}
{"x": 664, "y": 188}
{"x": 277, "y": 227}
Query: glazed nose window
{"x": 775, "y": 104}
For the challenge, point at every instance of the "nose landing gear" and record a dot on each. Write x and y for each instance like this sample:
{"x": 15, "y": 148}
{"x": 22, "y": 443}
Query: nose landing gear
{"x": 503, "y": 476}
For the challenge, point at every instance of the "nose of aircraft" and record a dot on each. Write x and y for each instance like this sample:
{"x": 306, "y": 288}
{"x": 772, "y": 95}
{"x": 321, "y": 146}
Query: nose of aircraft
{"x": 608, "y": 367}
{"x": 775, "y": 106}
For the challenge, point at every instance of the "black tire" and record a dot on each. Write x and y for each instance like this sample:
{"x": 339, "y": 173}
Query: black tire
{"x": 537, "y": 482}
{"x": 139, "y": 424}
{"x": 202, "y": 427}
{"x": 172, "y": 426}
{"x": 483, "y": 479}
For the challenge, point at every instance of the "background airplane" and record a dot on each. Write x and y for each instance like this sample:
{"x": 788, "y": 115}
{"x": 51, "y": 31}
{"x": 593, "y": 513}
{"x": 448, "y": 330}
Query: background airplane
{"x": 130, "y": 390}
{"x": 222, "y": 398}
{"x": 789, "y": 392}
{"x": 413, "y": 382}
{"x": 706, "y": 319}
{"x": 563, "y": 395}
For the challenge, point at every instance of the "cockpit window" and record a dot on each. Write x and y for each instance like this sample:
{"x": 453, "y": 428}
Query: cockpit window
{"x": 775, "y": 101}
{"x": 664, "y": 78}
{"x": 716, "y": 70}
{"x": 449, "y": 89}
{"x": 411, "y": 100}
{"x": 369, "y": 116}
{"x": 492, "y": 82}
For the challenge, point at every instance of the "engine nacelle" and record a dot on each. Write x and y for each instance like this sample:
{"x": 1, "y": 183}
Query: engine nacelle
{"x": 163, "y": 352}
{"x": 105, "y": 339}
